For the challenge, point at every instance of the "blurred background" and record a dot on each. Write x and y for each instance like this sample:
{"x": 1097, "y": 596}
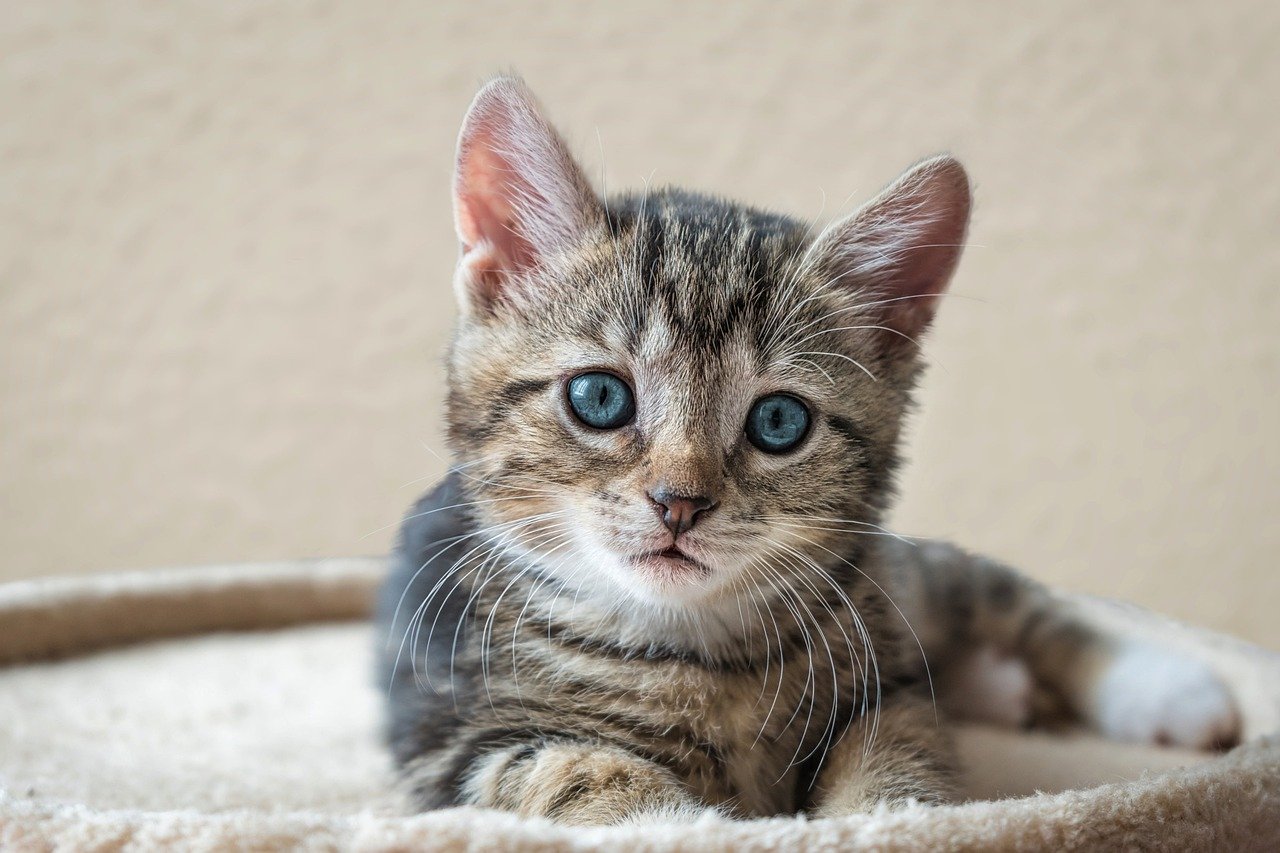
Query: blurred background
{"x": 226, "y": 247}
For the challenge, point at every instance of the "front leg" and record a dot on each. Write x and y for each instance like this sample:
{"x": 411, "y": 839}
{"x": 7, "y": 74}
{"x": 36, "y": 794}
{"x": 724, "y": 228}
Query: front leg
{"x": 910, "y": 759}
{"x": 575, "y": 782}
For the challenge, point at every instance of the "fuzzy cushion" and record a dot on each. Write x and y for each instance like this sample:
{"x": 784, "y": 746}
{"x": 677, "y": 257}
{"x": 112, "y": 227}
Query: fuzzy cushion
{"x": 234, "y": 707}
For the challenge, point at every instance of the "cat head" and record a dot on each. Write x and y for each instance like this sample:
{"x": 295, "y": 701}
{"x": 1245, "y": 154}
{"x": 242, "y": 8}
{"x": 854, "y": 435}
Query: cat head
{"x": 664, "y": 397}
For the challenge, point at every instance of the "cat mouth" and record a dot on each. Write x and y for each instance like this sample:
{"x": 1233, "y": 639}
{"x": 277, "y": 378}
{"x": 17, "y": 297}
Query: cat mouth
{"x": 670, "y": 562}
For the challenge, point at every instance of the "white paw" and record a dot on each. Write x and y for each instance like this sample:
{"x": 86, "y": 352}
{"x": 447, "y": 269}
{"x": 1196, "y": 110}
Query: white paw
{"x": 672, "y": 813}
{"x": 988, "y": 687}
{"x": 1148, "y": 695}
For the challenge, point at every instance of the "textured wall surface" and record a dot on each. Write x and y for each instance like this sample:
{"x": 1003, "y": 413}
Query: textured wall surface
{"x": 225, "y": 248}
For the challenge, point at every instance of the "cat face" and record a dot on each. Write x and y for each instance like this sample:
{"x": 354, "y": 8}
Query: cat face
{"x": 665, "y": 398}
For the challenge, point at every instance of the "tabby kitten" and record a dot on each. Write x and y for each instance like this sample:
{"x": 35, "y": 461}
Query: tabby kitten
{"x": 655, "y": 582}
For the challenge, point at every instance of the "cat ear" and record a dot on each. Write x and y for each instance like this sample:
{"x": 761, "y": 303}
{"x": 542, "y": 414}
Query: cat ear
{"x": 897, "y": 253}
{"x": 519, "y": 198}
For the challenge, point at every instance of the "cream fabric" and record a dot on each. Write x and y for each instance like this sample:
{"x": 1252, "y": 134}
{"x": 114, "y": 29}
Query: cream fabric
{"x": 129, "y": 717}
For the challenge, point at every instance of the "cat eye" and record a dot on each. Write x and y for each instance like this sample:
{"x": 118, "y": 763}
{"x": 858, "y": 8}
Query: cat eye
{"x": 601, "y": 400}
{"x": 777, "y": 423}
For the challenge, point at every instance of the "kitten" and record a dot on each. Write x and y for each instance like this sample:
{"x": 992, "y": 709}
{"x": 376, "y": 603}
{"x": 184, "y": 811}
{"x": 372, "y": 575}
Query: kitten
{"x": 655, "y": 582}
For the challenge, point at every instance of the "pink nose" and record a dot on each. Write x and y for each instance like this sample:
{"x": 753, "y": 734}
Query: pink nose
{"x": 680, "y": 512}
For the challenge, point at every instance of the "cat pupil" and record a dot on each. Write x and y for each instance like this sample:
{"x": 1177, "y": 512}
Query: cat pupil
{"x": 601, "y": 400}
{"x": 777, "y": 423}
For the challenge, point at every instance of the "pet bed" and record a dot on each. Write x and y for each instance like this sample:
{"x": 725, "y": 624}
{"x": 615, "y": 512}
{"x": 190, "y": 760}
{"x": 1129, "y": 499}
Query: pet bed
{"x": 233, "y": 707}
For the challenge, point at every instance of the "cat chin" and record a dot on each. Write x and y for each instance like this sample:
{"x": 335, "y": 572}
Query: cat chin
{"x": 656, "y": 582}
{"x": 657, "y": 604}
{"x": 669, "y": 578}
{"x": 639, "y": 611}
{"x": 649, "y": 579}
{"x": 673, "y": 596}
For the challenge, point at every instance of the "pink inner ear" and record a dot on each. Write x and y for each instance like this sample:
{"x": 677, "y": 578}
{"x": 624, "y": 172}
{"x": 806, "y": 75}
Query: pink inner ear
{"x": 904, "y": 246}
{"x": 485, "y": 209}
{"x": 519, "y": 197}
{"x": 917, "y": 285}
{"x": 933, "y": 210}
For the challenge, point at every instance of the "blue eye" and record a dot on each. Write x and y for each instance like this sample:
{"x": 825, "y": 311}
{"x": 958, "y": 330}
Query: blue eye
{"x": 601, "y": 400}
{"x": 777, "y": 423}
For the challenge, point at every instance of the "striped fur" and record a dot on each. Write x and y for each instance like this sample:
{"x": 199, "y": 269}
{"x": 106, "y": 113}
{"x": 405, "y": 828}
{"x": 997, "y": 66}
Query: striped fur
{"x": 535, "y": 663}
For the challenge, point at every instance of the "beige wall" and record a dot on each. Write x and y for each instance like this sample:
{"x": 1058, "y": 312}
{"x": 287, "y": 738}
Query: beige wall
{"x": 225, "y": 250}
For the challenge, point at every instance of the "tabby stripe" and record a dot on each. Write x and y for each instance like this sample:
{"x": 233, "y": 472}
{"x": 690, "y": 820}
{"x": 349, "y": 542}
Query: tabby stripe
{"x": 595, "y": 647}
{"x": 847, "y": 430}
{"x": 511, "y": 395}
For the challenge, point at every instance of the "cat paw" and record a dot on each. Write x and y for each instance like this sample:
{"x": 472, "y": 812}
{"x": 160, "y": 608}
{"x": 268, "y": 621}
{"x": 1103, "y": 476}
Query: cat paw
{"x": 1148, "y": 695}
{"x": 988, "y": 687}
{"x": 680, "y": 813}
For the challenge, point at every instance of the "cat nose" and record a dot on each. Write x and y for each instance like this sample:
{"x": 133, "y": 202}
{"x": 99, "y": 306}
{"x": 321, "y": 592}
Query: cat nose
{"x": 679, "y": 512}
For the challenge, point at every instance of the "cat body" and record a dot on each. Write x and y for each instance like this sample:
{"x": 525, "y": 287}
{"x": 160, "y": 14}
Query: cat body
{"x": 656, "y": 580}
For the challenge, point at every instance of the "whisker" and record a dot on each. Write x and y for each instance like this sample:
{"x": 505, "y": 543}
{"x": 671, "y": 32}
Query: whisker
{"x": 901, "y": 614}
